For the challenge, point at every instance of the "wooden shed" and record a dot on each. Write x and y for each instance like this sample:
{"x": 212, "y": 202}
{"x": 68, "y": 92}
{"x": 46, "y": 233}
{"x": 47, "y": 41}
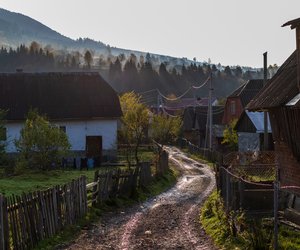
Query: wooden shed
{"x": 250, "y": 129}
{"x": 281, "y": 98}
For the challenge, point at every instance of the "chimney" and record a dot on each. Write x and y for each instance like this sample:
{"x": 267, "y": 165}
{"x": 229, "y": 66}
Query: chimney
{"x": 295, "y": 24}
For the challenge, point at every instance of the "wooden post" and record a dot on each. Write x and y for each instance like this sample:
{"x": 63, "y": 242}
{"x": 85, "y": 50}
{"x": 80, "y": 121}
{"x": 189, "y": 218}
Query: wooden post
{"x": 95, "y": 188}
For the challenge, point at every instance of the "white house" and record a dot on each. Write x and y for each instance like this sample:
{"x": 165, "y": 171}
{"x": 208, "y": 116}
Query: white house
{"x": 82, "y": 104}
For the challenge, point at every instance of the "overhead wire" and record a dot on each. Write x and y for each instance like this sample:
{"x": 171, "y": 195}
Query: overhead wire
{"x": 182, "y": 95}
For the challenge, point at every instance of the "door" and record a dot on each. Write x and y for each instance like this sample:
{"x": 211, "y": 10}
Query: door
{"x": 94, "y": 146}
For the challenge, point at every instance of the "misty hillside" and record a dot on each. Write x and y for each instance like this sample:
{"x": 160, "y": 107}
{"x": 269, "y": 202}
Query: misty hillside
{"x": 125, "y": 70}
{"x": 17, "y": 29}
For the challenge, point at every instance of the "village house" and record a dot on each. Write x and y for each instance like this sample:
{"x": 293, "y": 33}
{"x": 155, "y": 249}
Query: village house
{"x": 195, "y": 124}
{"x": 238, "y": 100}
{"x": 281, "y": 98}
{"x": 81, "y": 104}
{"x": 250, "y": 130}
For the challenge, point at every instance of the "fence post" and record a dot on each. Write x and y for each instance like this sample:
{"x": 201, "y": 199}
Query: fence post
{"x": 241, "y": 192}
{"x": 227, "y": 191}
{"x": 4, "y": 230}
{"x": 95, "y": 195}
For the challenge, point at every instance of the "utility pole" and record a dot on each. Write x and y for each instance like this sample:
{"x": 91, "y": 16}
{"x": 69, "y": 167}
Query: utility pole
{"x": 266, "y": 143}
{"x": 276, "y": 194}
{"x": 158, "y": 102}
{"x": 210, "y": 111}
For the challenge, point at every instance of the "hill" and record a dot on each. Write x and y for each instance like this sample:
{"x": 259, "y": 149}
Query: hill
{"x": 125, "y": 70}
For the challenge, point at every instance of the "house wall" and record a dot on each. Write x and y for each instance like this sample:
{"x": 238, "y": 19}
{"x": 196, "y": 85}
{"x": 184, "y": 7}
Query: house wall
{"x": 285, "y": 134}
{"x": 228, "y": 115}
{"x": 289, "y": 166}
{"x": 76, "y": 132}
{"x": 248, "y": 142}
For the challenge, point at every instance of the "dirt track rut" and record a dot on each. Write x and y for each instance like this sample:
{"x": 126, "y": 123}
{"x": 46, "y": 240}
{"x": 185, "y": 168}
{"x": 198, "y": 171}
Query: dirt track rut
{"x": 168, "y": 221}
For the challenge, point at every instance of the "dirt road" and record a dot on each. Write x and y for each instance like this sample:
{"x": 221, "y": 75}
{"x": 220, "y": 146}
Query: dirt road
{"x": 168, "y": 221}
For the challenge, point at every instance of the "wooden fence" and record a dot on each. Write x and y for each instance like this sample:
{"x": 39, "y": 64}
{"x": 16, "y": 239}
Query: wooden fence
{"x": 114, "y": 183}
{"x": 254, "y": 198}
{"x": 27, "y": 219}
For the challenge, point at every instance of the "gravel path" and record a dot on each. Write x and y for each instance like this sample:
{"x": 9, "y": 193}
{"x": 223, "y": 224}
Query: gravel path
{"x": 168, "y": 221}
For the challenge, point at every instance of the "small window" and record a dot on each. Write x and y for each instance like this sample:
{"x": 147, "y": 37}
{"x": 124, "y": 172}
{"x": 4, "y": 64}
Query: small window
{"x": 63, "y": 128}
{"x": 3, "y": 135}
{"x": 232, "y": 107}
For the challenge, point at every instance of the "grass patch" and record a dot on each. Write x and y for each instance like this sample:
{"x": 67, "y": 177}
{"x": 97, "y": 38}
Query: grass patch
{"x": 40, "y": 180}
{"x": 198, "y": 157}
{"x": 157, "y": 186}
{"x": 289, "y": 239}
{"x": 216, "y": 224}
{"x": 248, "y": 233}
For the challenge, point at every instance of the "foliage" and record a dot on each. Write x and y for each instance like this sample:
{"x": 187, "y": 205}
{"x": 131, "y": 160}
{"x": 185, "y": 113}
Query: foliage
{"x": 218, "y": 224}
{"x": 135, "y": 122}
{"x": 230, "y": 135}
{"x": 41, "y": 145}
{"x": 88, "y": 59}
{"x": 165, "y": 129}
{"x": 37, "y": 58}
{"x": 251, "y": 233}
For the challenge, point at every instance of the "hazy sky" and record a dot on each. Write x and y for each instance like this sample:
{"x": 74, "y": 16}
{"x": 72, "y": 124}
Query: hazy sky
{"x": 234, "y": 32}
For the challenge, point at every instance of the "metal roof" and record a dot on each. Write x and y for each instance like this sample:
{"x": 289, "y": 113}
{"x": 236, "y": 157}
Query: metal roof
{"x": 248, "y": 90}
{"x": 280, "y": 89}
{"x": 257, "y": 118}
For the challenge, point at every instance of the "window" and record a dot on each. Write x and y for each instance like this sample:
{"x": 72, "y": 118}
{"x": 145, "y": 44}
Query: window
{"x": 232, "y": 107}
{"x": 63, "y": 128}
{"x": 3, "y": 135}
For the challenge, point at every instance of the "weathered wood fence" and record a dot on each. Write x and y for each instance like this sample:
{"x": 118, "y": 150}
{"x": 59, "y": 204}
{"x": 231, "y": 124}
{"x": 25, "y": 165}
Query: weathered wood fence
{"x": 254, "y": 198}
{"x": 27, "y": 219}
{"x": 111, "y": 184}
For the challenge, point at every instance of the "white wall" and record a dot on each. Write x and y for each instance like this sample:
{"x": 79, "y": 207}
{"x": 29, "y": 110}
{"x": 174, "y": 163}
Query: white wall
{"x": 248, "y": 142}
{"x": 76, "y": 131}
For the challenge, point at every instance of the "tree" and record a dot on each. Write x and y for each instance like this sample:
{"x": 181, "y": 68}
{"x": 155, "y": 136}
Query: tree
{"x": 88, "y": 59}
{"x": 165, "y": 129}
{"x": 230, "y": 135}
{"x": 41, "y": 144}
{"x": 227, "y": 71}
{"x": 135, "y": 122}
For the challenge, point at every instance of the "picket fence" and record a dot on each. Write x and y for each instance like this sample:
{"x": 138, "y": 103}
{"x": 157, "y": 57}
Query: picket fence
{"x": 27, "y": 219}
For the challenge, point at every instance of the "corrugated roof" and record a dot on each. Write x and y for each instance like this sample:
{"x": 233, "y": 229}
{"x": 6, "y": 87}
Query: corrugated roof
{"x": 248, "y": 90}
{"x": 280, "y": 89}
{"x": 257, "y": 118}
{"x": 58, "y": 95}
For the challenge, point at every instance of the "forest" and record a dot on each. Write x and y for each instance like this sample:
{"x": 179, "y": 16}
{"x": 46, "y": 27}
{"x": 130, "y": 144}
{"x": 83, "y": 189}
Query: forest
{"x": 129, "y": 73}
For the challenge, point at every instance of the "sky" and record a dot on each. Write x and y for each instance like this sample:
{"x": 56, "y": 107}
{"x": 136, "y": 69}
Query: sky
{"x": 232, "y": 32}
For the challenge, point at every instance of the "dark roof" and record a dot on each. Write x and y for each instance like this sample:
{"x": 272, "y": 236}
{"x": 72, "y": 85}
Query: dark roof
{"x": 248, "y": 90}
{"x": 199, "y": 114}
{"x": 280, "y": 89}
{"x": 252, "y": 122}
{"x": 58, "y": 95}
{"x": 294, "y": 23}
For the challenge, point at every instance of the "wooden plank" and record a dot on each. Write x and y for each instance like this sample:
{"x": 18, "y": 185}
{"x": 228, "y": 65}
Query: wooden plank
{"x": 15, "y": 224}
{"x": 2, "y": 229}
{"x": 21, "y": 221}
